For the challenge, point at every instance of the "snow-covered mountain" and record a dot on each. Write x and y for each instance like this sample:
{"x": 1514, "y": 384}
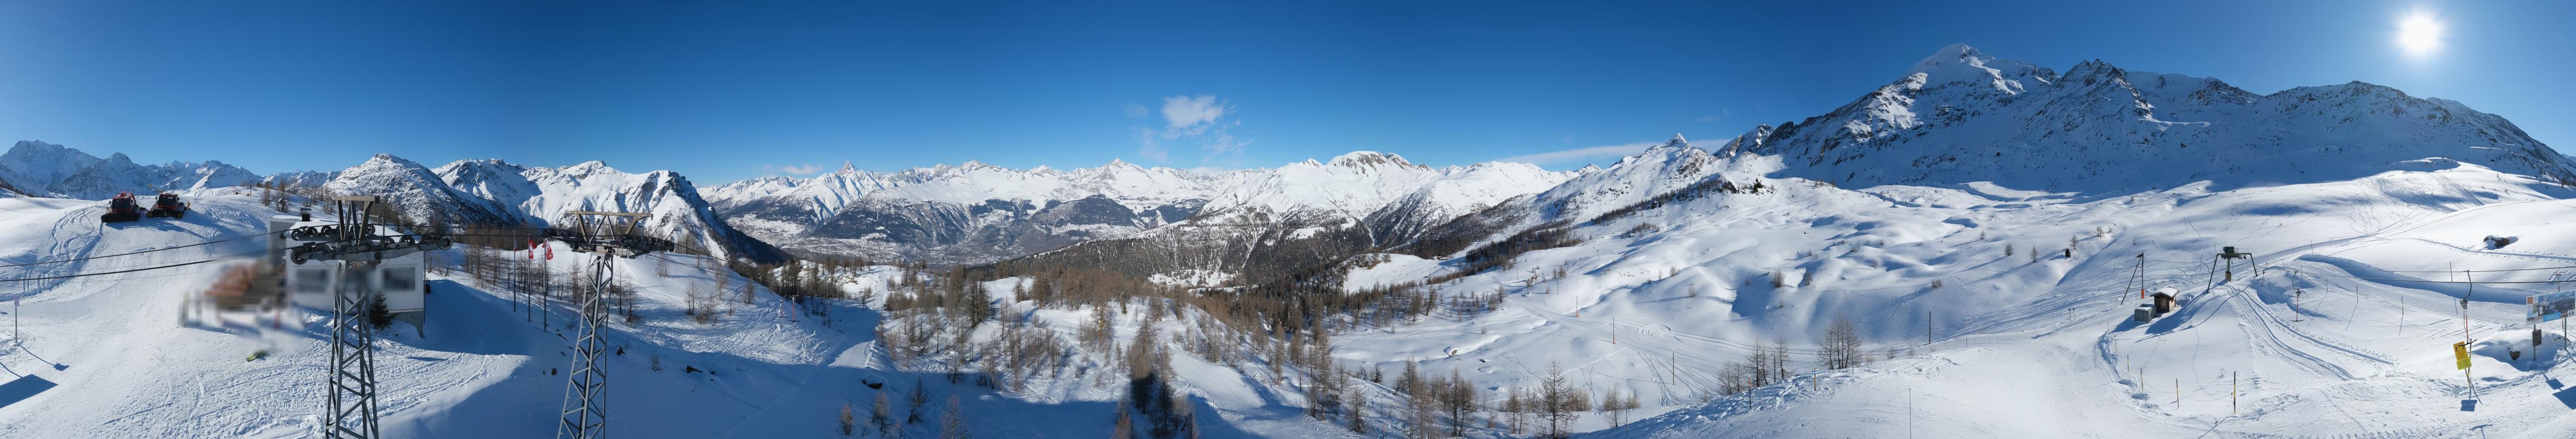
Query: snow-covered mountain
{"x": 32, "y": 166}
{"x": 541, "y": 196}
{"x": 301, "y": 179}
{"x": 1458, "y": 192}
{"x": 1962, "y": 115}
{"x": 38, "y": 168}
{"x": 417, "y": 194}
{"x": 1664, "y": 169}
{"x": 117, "y": 173}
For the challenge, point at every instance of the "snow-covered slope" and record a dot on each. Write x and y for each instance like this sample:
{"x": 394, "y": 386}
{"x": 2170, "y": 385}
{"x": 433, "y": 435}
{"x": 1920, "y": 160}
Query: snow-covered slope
{"x": 2025, "y": 342}
{"x": 1986, "y": 265}
{"x": 117, "y": 366}
{"x": 102, "y": 357}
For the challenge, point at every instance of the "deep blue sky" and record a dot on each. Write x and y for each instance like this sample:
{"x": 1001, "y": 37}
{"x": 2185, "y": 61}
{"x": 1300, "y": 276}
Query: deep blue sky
{"x": 725, "y": 93}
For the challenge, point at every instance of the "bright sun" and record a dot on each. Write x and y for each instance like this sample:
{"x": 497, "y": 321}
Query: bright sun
{"x": 2419, "y": 33}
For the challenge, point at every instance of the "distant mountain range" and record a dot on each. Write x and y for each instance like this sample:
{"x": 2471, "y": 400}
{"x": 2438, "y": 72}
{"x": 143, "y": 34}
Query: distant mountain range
{"x": 1956, "y": 117}
{"x": 978, "y": 213}
{"x": 36, "y": 168}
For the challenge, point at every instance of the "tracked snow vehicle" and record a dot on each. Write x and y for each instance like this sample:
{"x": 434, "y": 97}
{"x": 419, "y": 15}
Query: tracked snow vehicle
{"x": 121, "y": 209}
{"x": 168, "y": 206}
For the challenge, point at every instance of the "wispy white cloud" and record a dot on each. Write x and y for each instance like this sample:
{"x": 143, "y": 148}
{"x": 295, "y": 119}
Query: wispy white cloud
{"x": 1721, "y": 114}
{"x": 1580, "y": 153}
{"x": 1136, "y": 111}
{"x": 1151, "y": 149}
{"x": 795, "y": 169}
{"x": 1193, "y": 112}
{"x": 1222, "y": 143}
{"x": 1201, "y": 119}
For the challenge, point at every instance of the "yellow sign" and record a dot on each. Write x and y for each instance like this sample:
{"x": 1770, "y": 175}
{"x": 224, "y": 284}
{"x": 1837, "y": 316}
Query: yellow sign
{"x": 2460, "y": 351}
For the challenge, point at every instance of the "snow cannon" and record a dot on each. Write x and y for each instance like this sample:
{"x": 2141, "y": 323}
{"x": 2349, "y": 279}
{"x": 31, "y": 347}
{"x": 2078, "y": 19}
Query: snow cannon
{"x": 121, "y": 209}
{"x": 167, "y": 206}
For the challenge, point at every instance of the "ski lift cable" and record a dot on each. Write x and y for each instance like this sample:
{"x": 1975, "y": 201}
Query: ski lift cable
{"x": 2435, "y": 281}
{"x": 68, "y": 276}
{"x": 2456, "y": 271}
{"x": 201, "y": 244}
{"x": 84, "y": 258}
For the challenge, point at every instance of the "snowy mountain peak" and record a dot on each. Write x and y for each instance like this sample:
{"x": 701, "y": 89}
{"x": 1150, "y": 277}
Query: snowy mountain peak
{"x": 588, "y": 168}
{"x": 1953, "y": 53}
{"x": 1363, "y": 159}
{"x": 1958, "y": 63}
{"x": 1677, "y": 142}
{"x": 483, "y": 163}
{"x": 2092, "y": 70}
{"x": 382, "y": 159}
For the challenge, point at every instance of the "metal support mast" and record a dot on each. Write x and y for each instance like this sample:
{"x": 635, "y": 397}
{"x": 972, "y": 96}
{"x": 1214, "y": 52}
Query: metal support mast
{"x": 606, "y": 235}
{"x": 353, "y": 362}
{"x": 585, "y": 409}
{"x": 352, "y": 383}
{"x": 2139, "y": 277}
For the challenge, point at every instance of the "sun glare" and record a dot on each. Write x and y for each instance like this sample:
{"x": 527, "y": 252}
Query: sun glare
{"x": 2419, "y": 33}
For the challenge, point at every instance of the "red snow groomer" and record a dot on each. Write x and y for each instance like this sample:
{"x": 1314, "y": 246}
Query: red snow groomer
{"x": 121, "y": 209}
{"x": 168, "y": 206}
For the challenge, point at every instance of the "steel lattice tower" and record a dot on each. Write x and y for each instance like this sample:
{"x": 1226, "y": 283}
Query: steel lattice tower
{"x": 585, "y": 409}
{"x": 353, "y": 361}
{"x": 351, "y": 386}
{"x": 607, "y": 235}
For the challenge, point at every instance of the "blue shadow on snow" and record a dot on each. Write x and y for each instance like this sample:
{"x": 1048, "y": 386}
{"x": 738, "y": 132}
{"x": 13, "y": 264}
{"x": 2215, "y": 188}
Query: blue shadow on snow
{"x": 24, "y": 387}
